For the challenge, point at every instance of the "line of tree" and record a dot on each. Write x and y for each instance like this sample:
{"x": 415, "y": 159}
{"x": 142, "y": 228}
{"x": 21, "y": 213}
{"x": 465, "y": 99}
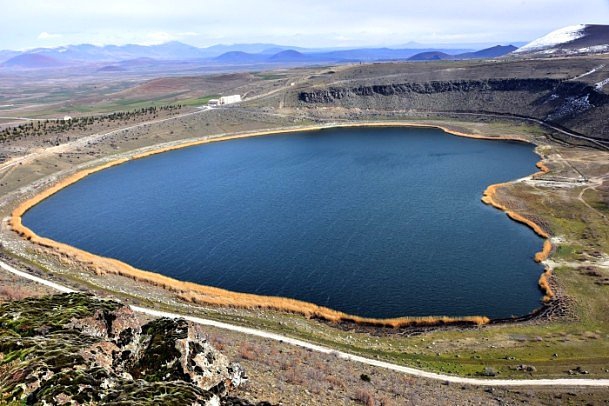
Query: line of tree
{"x": 41, "y": 128}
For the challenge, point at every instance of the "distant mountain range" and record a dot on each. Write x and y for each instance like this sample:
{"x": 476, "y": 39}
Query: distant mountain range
{"x": 33, "y": 61}
{"x": 569, "y": 40}
{"x": 356, "y": 55}
{"x": 116, "y": 58}
{"x": 86, "y": 53}
{"x": 492, "y": 52}
{"x": 572, "y": 40}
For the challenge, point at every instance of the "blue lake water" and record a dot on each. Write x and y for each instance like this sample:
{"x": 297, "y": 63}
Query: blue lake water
{"x": 378, "y": 222}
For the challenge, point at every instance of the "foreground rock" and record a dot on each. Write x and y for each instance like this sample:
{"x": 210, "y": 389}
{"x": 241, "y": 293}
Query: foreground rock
{"x": 76, "y": 349}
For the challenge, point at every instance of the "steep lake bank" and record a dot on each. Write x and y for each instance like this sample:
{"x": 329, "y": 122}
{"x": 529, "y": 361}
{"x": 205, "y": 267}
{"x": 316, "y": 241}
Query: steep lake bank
{"x": 378, "y": 222}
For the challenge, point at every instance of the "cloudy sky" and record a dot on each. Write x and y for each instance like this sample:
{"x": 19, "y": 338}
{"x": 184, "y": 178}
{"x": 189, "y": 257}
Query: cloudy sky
{"x": 310, "y": 23}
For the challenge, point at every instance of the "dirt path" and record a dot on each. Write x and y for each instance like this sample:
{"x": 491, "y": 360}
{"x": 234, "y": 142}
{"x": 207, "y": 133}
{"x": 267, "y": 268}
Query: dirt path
{"x": 565, "y": 382}
{"x": 89, "y": 138}
{"x": 594, "y": 184}
{"x": 580, "y": 197}
{"x": 599, "y": 143}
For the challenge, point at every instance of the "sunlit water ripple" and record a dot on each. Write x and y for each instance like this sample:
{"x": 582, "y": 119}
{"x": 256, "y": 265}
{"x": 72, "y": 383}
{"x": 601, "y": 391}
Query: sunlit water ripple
{"x": 378, "y": 222}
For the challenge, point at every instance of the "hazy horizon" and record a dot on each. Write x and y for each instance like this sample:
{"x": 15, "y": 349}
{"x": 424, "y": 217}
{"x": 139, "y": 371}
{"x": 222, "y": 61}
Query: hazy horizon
{"x": 299, "y": 23}
{"x": 411, "y": 45}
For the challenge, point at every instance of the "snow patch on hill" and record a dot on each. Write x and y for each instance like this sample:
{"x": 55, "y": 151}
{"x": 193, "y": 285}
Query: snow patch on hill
{"x": 599, "y": 86}
{"x": 571, "y": 107}
{"x": 560, "y": 36}
{"x": 594, "y": 49}
{"x": 590, "y": 72}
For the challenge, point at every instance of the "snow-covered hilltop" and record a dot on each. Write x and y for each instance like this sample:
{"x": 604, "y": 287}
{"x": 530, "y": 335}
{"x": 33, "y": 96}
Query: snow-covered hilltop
{"x": 574, "y": 39}
{"x": 555, "y": 38}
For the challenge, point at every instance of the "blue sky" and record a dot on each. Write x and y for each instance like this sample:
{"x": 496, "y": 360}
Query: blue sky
{"x": 309, "y": 23}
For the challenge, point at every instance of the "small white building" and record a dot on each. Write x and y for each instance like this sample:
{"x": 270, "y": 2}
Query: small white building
{"x": 67, "y": 118}
{"x": 235, "y": 98}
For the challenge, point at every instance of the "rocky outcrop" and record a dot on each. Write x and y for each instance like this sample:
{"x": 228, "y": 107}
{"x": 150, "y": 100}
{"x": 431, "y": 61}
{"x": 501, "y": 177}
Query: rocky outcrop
{"x": 571, "y": 104}
{"x": 332, "y": 94}
{"x": 74, "y": 348}
{"x": 560, "y": 89}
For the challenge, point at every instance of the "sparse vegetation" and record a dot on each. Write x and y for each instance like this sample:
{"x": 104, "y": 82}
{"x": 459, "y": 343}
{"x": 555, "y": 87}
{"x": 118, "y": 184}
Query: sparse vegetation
{"x": 74, "y": 348}
{"x": 247, "y": 351}
{"x": 62, "y": 128}
{"x": 579, "y": 337}
{"x": 453, "y": 359}
{"x": 364, "y": 397}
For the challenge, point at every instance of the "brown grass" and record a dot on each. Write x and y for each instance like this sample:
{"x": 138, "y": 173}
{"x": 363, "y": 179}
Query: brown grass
{"x": 248, "y": 351}
{"x": 489, "y": 197}
{"x": 335, "y": 382}
{"x": 218, "y": 341}
{"x": 214, "y": 296}
{"x": 545, "y": 252}
{"x": 309, "y": 310}
{"x": 544, "y": 285}
{"x": 364, "y": 397}
{"x": 10, "y": 293}
{"x": 293, "y": 376}
{"x": 543, "y": 168}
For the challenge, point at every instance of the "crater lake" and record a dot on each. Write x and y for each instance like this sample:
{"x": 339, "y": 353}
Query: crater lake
{"x": 375, "y": 222}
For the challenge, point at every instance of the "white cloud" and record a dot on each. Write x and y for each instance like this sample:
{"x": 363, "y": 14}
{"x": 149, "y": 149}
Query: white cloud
{"x": 300, "y": 22}
{"x": 159, "y": 37}
{"x": 45, "y": 35}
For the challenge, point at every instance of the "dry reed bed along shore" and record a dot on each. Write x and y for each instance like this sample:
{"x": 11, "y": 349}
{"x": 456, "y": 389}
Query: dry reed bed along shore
{"x": 220, "y": 297}
{"x": 489, "y": 197}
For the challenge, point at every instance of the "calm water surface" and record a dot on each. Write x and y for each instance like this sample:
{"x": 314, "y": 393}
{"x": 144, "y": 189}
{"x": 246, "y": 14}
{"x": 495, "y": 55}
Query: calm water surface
{"x": 377, "y": 222}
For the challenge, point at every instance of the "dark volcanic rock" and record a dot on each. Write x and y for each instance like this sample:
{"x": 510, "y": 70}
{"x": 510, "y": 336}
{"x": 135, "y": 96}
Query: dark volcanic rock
{"x": 75, "y": 348}
{"x": 179, "y": 349}
{"x": 571, "y": 104}
{"x": 497, "y": 85}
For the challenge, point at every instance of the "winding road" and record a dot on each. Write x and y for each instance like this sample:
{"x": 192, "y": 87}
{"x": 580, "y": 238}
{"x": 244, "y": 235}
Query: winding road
{"x": 89, "y": 138}
{"x": 565, "y": 382}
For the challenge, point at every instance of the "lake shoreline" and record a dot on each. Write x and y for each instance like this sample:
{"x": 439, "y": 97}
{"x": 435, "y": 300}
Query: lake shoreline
{"x": 216, "y": 296}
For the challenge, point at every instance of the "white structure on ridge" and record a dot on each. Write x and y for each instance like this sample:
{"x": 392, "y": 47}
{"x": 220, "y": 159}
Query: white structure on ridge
{"x": 235, "y": 98}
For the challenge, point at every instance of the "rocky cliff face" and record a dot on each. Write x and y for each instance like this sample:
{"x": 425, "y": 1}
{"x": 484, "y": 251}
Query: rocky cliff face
{"x": 572, "y": 104}
{"x": 329, "y": 95}
{"x": 74, "y": 348}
